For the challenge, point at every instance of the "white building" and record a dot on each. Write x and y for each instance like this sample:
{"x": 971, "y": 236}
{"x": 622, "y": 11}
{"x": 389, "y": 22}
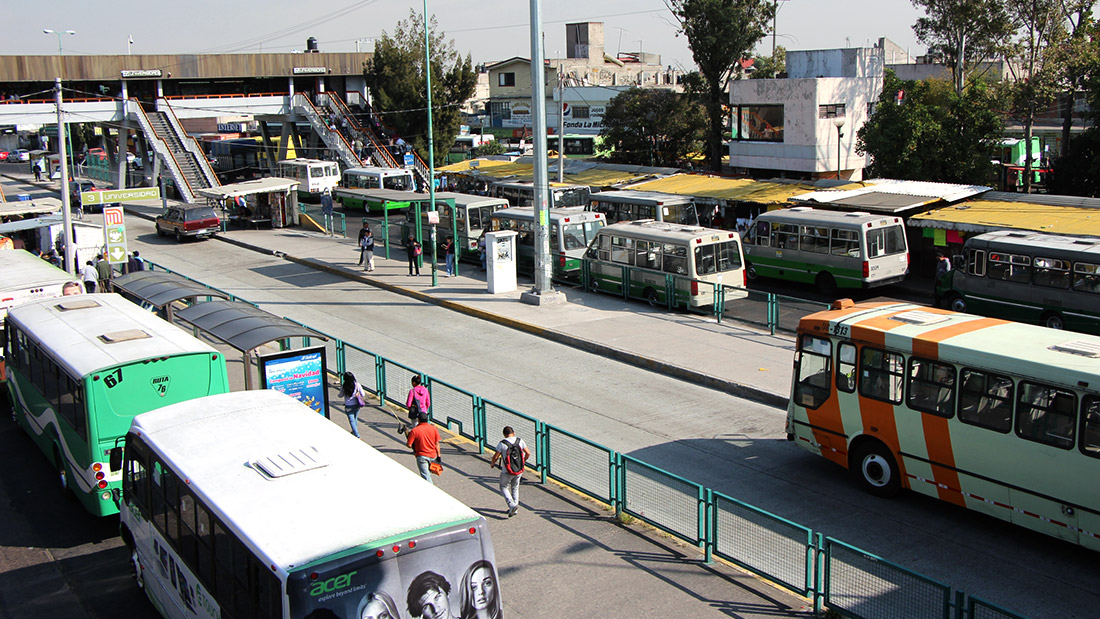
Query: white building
{"x": 804, "y": 125}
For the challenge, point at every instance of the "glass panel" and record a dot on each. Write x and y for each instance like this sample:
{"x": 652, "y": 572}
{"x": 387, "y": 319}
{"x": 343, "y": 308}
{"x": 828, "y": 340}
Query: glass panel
{"x": 986, "y": 400}
{"x": 812, "y": 388}
{"x": 845, "y": 243}
{"x": 1046, "y": 414}
{"x": 931, "y": 387}
{"x": 1090, "y": 426}
{"x": 1086, "y": 277}
{"x": 846, "y": 367}
{"x": 881, "y": 375}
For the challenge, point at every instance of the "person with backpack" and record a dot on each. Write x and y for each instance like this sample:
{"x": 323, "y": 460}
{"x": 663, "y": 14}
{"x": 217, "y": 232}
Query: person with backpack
{"x": 354, "y": 399}
{"x": 412, "y": 248}
{"x": 512, "y": 455}
{"x": 419, "y": 399}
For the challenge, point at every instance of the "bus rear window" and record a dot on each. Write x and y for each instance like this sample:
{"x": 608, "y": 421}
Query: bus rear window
{"x": 717, "y": 258}
{"x": 885, "y": 242}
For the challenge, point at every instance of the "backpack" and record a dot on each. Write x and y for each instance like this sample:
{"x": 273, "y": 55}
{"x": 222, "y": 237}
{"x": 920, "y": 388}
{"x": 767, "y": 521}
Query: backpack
{"x": 513, "y": 458}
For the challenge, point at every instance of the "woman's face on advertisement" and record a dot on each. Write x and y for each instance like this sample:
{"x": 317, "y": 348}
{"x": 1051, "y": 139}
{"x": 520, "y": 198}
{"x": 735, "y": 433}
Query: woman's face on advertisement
{"x": 482, "y": 588}
{"x": 376, "y": 610}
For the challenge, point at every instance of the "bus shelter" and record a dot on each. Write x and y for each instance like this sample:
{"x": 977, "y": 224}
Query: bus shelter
{"x": 410, "y": 203}
{"x": 272, "y": 200}
{"x": 163, "y": 291}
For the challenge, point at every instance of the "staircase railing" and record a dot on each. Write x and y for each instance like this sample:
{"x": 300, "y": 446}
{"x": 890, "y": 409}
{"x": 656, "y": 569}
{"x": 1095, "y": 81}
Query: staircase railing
{"x": 332, "y": 139}
{"x": 161, "y": 149}
{"x": 419, "y": 166}
{"x": 380, "y": 155}
{"x": 189, "y": 143}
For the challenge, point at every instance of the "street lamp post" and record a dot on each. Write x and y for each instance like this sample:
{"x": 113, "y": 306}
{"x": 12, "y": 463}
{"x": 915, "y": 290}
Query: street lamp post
{"x": 839, "y": 122}
{"x": 66, "y": 214}
{"x": 431, "y": 141}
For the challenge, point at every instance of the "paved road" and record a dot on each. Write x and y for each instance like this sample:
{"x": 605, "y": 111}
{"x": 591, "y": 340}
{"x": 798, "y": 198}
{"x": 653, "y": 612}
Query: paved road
{"x": 731, "y": 444}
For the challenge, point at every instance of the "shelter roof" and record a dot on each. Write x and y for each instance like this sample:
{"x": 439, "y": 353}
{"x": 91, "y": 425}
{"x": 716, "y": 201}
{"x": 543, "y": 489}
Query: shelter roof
{"x": 161, "y": 288}
{"x": 245, "y": 188}
{"x": 242, "y": 326}
{"x": 979, "y": 216}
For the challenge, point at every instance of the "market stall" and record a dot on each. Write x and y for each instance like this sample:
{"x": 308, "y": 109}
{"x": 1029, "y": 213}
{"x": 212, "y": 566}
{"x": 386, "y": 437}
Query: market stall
{"x": 271, "y": 200}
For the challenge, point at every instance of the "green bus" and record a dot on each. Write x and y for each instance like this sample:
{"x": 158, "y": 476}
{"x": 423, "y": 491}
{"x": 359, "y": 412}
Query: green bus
{"x": 571, "y": 230}
{"x": 81, "y": 367}
{"x": 831, "y": 249}
{"x": 1028, "y": 277}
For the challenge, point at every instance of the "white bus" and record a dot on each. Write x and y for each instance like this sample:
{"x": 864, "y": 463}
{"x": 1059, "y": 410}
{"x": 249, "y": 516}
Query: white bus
{"x": 398, "y": 179}
{"x": 650, "y": 253}
{"x": 468, "y": 218}
{"x": 571, "y": 230}
{"x": 250, "y": 504}
{"x": 27, "y": 277}
{"x": 522, "y": 193}
{"x": 314, "y": 176}
{"x": 630, "y": 205}
{"x": 831, "y": 249}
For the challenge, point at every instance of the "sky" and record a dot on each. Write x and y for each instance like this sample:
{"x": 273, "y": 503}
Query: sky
{"x": 488, "y": 30}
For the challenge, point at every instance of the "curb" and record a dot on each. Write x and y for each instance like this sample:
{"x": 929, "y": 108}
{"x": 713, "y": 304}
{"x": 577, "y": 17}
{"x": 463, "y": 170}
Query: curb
{"x": 641, "y": 361}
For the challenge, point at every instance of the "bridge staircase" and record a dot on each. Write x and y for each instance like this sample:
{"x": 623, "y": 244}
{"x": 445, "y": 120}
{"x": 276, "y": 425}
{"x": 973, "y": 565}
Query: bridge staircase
{"x": 177, "y": 152}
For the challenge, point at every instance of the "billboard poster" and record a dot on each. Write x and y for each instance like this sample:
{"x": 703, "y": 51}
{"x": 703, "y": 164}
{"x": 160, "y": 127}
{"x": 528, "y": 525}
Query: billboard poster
{"x": 446, "y": 574}
{"x": 300, "y": 374}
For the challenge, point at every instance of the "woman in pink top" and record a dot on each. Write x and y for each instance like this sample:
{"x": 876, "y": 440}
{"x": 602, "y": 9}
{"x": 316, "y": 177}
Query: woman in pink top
{"x": 418, "y": 394}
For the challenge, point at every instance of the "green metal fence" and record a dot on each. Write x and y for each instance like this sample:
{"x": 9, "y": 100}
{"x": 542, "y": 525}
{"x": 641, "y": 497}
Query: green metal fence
{"x": 835, "y": 575}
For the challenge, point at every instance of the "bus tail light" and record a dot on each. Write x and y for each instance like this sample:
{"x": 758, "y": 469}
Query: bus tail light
{"x": 744, "y": 278}
{"x": 866, "y": 269}
{"x": 561, "y": 261}
{"x": 102, "y": 484}
{"x": 694, "y": 287}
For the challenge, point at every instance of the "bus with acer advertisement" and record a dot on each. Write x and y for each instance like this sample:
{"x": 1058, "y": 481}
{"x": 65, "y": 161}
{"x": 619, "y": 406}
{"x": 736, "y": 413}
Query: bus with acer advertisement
{"x": 81, "y": 367}
{"x": 250, "y": 504}
{"x": 999, "y": 417}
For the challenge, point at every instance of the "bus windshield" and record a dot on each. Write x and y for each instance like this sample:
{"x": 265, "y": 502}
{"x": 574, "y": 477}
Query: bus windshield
{"x": 578, "y": 236}
{"x": 717, "y": 258}
{"x": 397, "y": 183}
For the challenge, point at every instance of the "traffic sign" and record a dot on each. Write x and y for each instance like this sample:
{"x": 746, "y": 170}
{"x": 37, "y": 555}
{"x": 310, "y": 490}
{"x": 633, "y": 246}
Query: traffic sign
{"x": 114, "y": 232}
{"x": 110, "y": 196}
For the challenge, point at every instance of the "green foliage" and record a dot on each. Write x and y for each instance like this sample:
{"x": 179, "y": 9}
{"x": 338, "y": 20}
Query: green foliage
{"x": 495, "y": 147}
{"x": 968, "y": 30}
{"x": 934, "y": 135}
{"x": 720, "y": 33}
{"x": 768, "y": 67}
{"x": 653, "y": 127}
{"x": 398, "y": 86}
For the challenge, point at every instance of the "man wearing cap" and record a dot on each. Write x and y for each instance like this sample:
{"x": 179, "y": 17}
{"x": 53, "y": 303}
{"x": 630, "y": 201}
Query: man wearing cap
{"x": 366, "y": 247}
{"x": 424, "y": 441}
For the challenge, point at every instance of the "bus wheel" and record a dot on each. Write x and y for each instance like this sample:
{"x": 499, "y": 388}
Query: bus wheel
{"x": 957, "y": 303}
{"x": 1054, "y": 321}
{"x": 135, "y": 567}
{"x": 651, "y": 297}
{"x": 825, "y": 283}
{"x": 751, "y": 273}
{"x": 876, "y": 469}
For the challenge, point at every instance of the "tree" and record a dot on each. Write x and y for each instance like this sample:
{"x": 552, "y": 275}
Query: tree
{"x": 768, "y": 67}
{"x": 965, "y": 32}
{"x": 1077, "y": 173}
{"x": 397, "y": 83}
{"x": 1075, "y": 59}
{"x": 720, "y": 33}
{"x": 653, "y": 127}
{"x": 934, "y": 134}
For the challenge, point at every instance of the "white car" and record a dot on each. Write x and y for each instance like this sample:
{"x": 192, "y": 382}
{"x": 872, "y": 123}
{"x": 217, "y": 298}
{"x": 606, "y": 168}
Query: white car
{"x": 20, "y": 155}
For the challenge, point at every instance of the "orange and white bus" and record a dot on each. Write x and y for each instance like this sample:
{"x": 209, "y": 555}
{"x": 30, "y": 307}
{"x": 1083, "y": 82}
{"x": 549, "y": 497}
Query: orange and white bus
{"x": 996, "y": 416}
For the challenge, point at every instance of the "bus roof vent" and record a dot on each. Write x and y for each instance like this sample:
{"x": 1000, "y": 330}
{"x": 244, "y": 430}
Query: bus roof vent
{"x": 800, "y": 209}
{"x": 76, "y": 304}
{"x": 857, "y": 214}
{"x": 114, "y": 337}
{"x": 290, "y": 462}
{"x": 918, "y": 317}
{"x": 1079, "y": 347}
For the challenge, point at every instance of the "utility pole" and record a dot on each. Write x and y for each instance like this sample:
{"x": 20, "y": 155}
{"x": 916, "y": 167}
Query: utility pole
{"x": 431, "y": 142}
{"x": 561, "y": 124}
{"x": 66, "y": 215}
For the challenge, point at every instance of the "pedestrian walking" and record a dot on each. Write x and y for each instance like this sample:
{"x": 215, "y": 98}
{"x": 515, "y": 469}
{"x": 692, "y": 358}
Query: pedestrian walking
{"x": 135, "y": 263}
{"x": 412, "y": 248}
{"x": 419, "y": 399}
{"x": 90, "y": 275}
{"x": 326, "y": 211}
{"x": 424, "y": 441}
{"x": 449, "y": 253}
{"x": 37, "y": 170}
{"x": 481, "y": 249}
{"x": 105, "y": 272}
{"x": 511, "y": 455}
{"x": 366, "y": 247}
{"x": 943, "y": 267}
{"x": 354, "y": 399}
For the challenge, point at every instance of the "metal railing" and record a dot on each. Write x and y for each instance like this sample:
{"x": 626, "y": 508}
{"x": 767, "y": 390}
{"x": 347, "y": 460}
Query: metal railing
{"x": 834, "y": 575}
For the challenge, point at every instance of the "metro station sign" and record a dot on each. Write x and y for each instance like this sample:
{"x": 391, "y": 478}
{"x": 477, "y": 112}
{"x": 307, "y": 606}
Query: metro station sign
{"x": 136, "y": 73}
{"x": 114, "y": 233}
{"x": 110, "y": 196}
{"x": 310, "y": 70}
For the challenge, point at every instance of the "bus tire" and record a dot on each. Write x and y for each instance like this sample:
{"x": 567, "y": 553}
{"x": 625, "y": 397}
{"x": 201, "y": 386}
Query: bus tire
{"x": 1054, "y": 320}
{"x": 956, "y": 303}
{"x": 750, "y": 273}
{"x": 876, "y": 469}
{"x": 825, "y": 283}
{"x": 135, "y": 561}
{"x": 652, "y": 298}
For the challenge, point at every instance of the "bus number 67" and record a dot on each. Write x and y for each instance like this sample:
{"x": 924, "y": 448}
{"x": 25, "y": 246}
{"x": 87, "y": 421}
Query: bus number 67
{"x": 113, "y": 378}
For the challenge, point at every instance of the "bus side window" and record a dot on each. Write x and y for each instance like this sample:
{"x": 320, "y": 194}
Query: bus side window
{"x": 674, "y": 259}
{"x": 622, "y": 250}
{"x": 881, "y": 375}
{"x": 785, "y": 236}
{"x": 1086, "y": 277}
{"x": 135, "y": 480}
{"x": 985, "y": 400}
{"x": 844, "y": 243}
{"x": 1051, "y": 273}
{"x": 975, "y": 262}
{"x": 648, "y": 255}
{"x": 1090, "y": 426}
{"x": 1046, "y": 414}
{"x": 846, "y": 367}
{"x": 601, "y": 249}
{"x": 931, "y": 387}
{"x": 814, "y": 356}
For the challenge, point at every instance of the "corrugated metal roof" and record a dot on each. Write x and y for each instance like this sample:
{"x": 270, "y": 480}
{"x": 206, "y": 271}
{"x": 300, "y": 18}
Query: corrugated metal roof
{"x": 939, "y": 191}
{"x": 246, "y": 188}
{"x": 1043, "y": 198}
{"x": 720, "y": 188}
{"x": 988, "y": 215}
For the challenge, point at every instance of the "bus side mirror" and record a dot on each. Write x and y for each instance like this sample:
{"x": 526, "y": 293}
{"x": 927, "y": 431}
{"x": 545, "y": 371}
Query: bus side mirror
{"x": 116, "y": 459}
{"x": 116, "y": 496}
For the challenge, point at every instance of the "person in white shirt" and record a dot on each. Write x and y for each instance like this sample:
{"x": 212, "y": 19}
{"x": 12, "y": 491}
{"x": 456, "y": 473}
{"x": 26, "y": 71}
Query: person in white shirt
{"x": 510, "y": 479}
{"x": 90, "y": 276}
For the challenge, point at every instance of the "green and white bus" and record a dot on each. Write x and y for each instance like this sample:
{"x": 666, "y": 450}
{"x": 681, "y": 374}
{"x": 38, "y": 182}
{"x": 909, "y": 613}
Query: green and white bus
{"x": 522, "y": 193}
{"x": 398, "y": 179}
{"x": 314, "y": 176}
{"x": 631, "y": 205}
{"x": 831, "y": 249}
{"x": 80, "y": 369}
{"x": 571, "y": 230}
{"x": 1029, "y": 277}
{"x": 659, "y": 258}
{"x": 468, "y": 218}
{"x": 250, "y": 504}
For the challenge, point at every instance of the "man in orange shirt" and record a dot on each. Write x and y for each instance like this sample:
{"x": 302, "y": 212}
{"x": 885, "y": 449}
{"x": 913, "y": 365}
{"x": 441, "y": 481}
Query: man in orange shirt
{"x": 424, "y": 440}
